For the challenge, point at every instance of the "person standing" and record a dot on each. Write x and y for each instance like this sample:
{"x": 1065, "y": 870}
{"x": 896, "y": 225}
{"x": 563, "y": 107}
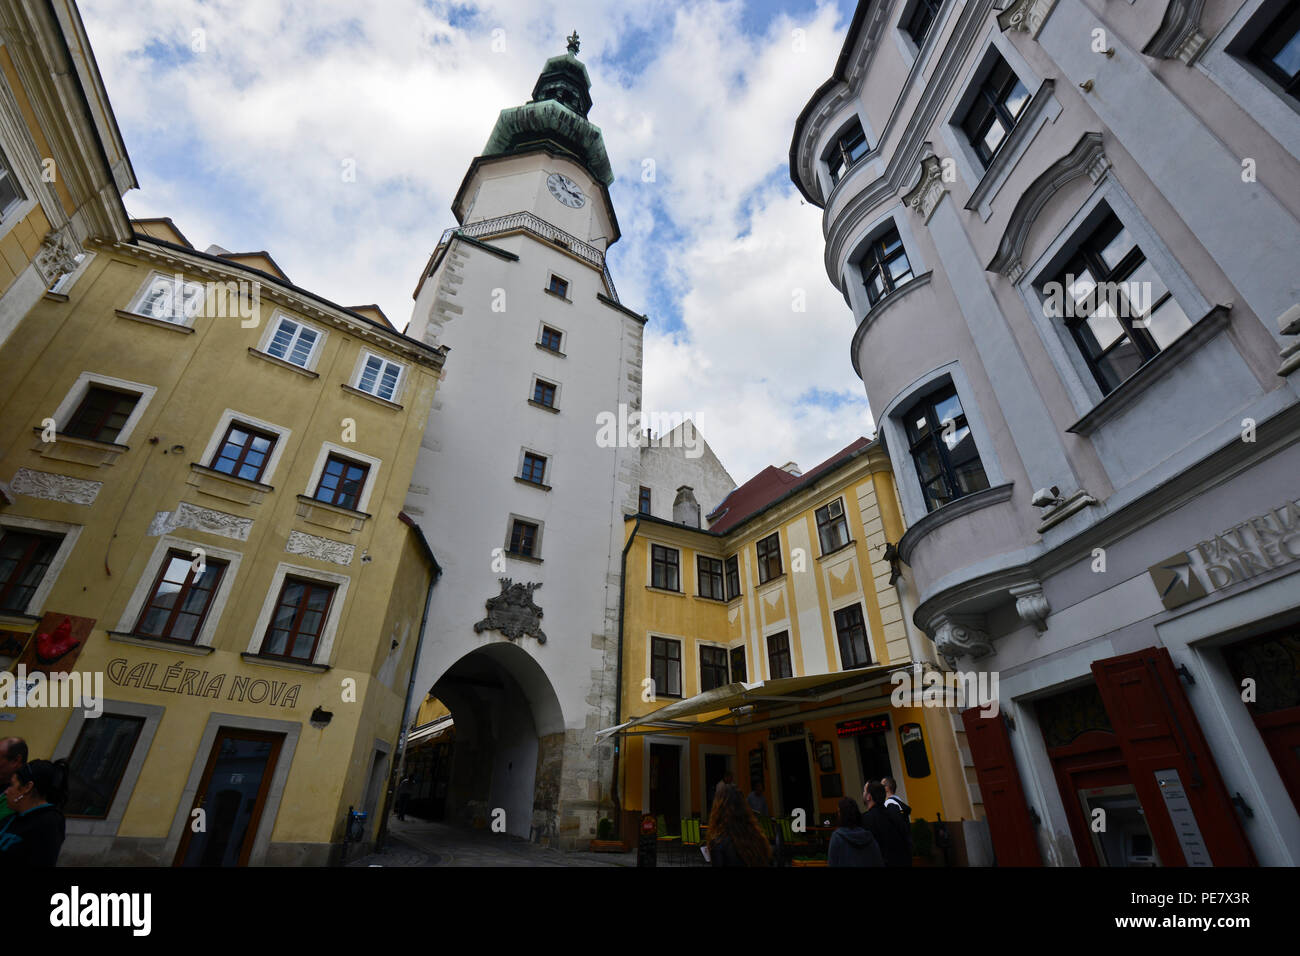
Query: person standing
{"x": 734, "y": 836}
{"x": 13, "y": 754}
{"x": 404, "y": 791}
{"x": 893, "y": 801}
{"x": 757, "y": 802}
{"x": 33, "y": 834}
{"x": 851, "y": 845}
{"x": 886, "y": 826}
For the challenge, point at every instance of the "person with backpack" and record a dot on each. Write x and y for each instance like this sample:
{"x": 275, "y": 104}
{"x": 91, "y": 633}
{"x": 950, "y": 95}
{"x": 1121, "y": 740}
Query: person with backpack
{"x": 889, "y": 828}
{"x": 851, "y": 845}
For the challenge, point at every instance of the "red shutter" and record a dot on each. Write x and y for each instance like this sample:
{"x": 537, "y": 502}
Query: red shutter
{"x": 1010, "y": 827}
{"x": 1157, "y": 731}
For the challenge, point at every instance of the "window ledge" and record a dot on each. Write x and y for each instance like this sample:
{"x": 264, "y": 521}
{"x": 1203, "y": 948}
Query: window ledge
{"x": 267, "y": 357}
{"x": 283, "y": 663}
{"x": 840, "y": 549}
{"x": 522, "y": 557}
{"x": 156, "y": 323}
{"x": 556, "y": 352}
{"x": 562, "y": 298}
{"x": 711, "y": 600}
{"x": 336, "y": 509}
{"x": 533, "y": 484}
{"x": 56, "y": 296}
{"x": 955, "y": 509}
{"x": 222, "y": 476}
{"x": 84, "y": 451}
{"x": 546, "y": 408}
{"x": 651, "y": 587}
{"x": 18, "y": 617}
{"x": 1129, "y": 390}
{"x": 877, "y": 310}
{"x": 1040, "y": 110}
{"x": 736, "y": 601}
{"x": 180, "y": 647}
{"x": 373, "y": 398}
{"x": 775, "y": 579}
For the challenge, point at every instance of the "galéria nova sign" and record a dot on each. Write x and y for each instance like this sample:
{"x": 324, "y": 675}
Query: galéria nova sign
{"x": 193, "y": 682}
{"x": 1256, "y": 545}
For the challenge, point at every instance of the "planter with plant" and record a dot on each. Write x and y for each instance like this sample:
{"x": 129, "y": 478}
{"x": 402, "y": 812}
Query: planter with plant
{"x": 922, "y": 843}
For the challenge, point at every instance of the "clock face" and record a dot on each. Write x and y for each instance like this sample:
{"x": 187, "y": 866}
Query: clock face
{"x": 565, "y": 190}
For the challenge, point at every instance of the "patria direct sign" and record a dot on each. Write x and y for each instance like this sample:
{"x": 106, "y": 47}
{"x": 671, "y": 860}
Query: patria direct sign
{"x": 1258, "y": 544}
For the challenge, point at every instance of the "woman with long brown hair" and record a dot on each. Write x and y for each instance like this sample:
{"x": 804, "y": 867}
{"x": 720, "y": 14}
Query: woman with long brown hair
{"x": 734, "y": 836}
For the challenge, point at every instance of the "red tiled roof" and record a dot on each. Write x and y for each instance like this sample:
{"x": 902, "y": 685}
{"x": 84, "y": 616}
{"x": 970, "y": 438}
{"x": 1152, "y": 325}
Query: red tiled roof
{"x": 768, "y": 485}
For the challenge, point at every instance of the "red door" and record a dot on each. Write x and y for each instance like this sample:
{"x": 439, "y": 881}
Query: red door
{"x": 1281, "y": 733}
{"x": 1167, "y": 754}
{"x": 1010, "y": 825}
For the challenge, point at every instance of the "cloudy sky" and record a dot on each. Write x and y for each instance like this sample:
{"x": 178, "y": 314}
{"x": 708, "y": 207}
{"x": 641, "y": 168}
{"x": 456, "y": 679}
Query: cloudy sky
{"x": 240, "y": 118}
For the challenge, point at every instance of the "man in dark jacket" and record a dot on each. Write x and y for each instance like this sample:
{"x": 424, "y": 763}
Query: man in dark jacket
{"x": 885, "y": 825}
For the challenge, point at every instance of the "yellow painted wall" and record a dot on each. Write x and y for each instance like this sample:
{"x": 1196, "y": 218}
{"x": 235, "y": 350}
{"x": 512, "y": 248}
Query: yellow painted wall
{"x": 197, "y": 376}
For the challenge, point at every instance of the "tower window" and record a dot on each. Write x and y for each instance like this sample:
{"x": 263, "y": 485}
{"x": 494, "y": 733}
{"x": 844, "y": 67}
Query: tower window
{"x": 558, "y": 286}
{"x": 643, "y": 506}
{"x": 733, "y": 576}
{"x": 885, "y": 267}
{"x": 181, "y": 598}
{"x": 666, "y": 667}
{"x": 852, "y": 633}
{"x": 544, "y": 393}
{"x": 243, "y": 452}
{"x": 920, "y": 20}
{"x": 341, "y": 482}
{"x": 551, "y": 338}
{"x": 534, "y": 469}
{"x": 832, "y": 526}
{"x": 523, "y": 538}
{"x": 713, "y": 667}
{"x": 710, "y": 578}
{"x": 778, "y": 655}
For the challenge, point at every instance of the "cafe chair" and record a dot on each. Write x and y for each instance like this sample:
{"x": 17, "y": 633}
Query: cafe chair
{"x": 691, "y": 839}
{"x": 665, "y": 840}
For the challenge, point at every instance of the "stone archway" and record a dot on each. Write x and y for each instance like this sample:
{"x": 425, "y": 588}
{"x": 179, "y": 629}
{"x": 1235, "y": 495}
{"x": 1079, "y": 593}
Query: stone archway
{"x": 509, "y": 745}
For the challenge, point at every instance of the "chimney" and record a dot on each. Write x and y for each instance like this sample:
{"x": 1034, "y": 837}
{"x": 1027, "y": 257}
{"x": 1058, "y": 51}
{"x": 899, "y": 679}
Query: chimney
{"x": 792, "y": 468}
{"x": 686, "y": 510}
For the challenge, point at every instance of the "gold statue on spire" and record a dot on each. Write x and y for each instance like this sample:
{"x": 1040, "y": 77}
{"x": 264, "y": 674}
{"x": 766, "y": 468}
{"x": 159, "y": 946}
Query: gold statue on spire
{"x": 573, "y": 43}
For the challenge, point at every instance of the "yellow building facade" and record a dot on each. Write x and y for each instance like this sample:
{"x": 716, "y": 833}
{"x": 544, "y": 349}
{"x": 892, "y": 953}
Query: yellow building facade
{"x": 766, "y": 646}
{"x": 203, "y": 472}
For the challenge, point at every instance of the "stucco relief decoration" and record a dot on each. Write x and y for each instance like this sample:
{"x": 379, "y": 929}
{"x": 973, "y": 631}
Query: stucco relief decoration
{"x": 56, "y": 256}
{"x": 513, "y": 612}
{"x": 1031, "y": 605}
{"x": 925, "y": 196}
{"x": 52, "y": 487}
{"x": 1180, "y": 33}
{"x": 201, "y": 519}
{"x": 1026, "y": 15}
{"x": 322, "y": 549}
{"x": 956, "y": 637}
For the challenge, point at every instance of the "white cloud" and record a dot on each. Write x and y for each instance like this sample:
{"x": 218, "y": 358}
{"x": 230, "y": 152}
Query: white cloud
{"x": 243, "y": 144}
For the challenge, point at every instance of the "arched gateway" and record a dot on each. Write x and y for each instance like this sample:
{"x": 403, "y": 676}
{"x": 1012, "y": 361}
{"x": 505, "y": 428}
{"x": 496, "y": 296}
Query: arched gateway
{"x": 516, "y": 490}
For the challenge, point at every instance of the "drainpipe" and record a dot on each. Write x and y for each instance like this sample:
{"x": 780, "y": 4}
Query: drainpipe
{"x": 618, "y": 692}
{"x": 410, "y": 684}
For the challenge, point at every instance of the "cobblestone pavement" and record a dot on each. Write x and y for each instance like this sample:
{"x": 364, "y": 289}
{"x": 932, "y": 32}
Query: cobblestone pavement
{"x": 423, "y": 843}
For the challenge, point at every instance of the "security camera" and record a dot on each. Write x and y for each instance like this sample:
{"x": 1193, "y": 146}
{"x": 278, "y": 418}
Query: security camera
{"x": 1046, "y": 497}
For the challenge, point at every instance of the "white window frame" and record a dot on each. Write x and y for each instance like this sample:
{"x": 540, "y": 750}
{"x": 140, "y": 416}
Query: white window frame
{"x": 895, "y": 436}
{"x": 972, "y": 169}
{"x": 650, "y": 567}
{"x": 231, "y": 416}
{"x": 844, "y": 513}
{"x": 696, "y": 557}
{"x": 186, "y": 320}
{"x": 681, "y": 661}
{"x": 532, "y": 390}
{"x": 1080, "y": 384}
{"x": 70, "y": 532}
{"x": 542, "y": 326}
{"x": 537, "y": 540}
{"x": 359, "y": 371}
{"x": 72, "y": 401}
{"x": 325, "y": 645}
{"x": 546, "y": 472}
{"x": 344, "y": 451}
{"x": 313, "y": 357}
{"x": 858, "y": 601}
{"x": 144, "y": 585}
{"x": 855, "y": 280}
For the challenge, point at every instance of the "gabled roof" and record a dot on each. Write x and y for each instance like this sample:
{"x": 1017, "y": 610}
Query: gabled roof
{"x": 770, "y": 485}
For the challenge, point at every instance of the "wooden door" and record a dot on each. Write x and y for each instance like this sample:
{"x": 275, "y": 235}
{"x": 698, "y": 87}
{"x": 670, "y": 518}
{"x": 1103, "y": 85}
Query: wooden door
{"x": 1010, "y": 826}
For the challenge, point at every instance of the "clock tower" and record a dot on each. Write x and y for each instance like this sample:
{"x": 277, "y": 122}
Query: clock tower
{"x": 519, "y": 493}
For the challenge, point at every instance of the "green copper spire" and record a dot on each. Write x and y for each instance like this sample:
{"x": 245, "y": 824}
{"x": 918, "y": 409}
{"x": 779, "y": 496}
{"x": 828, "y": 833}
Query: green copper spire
{"x": 556, "y": 117}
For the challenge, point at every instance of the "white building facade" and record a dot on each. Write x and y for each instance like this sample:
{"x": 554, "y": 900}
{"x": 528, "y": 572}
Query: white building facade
{"x": 522, "y": 497}
{"x": 1067, "y": 231}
